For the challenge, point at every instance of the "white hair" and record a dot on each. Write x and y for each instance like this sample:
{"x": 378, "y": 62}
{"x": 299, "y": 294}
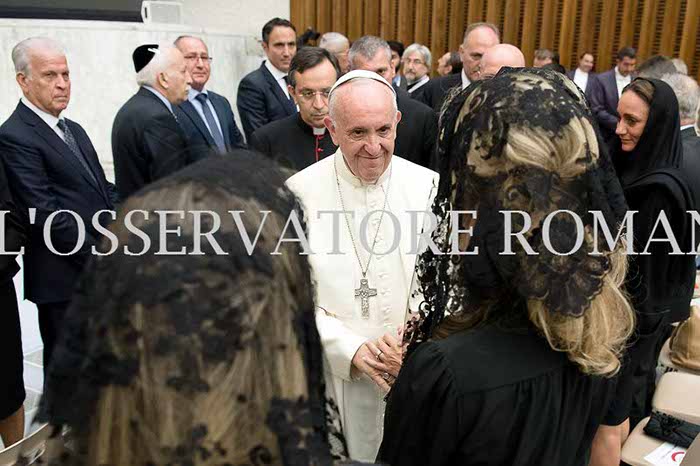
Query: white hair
{"x": 687, "y": 93}
{"x": 680, "y": 65}
{"x": 334, "y": 42}
{"x": 424, "y": 52}
{"x": 148, "y": 76}
{"x": 332, "y": 99}
{"x": 21, "y": 53}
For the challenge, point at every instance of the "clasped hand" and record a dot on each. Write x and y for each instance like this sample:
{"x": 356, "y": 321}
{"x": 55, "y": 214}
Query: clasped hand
{"x": 380, "y": 360}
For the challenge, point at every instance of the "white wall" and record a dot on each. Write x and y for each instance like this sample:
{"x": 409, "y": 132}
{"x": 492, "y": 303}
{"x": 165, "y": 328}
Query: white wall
{"x": 99, "y": 57}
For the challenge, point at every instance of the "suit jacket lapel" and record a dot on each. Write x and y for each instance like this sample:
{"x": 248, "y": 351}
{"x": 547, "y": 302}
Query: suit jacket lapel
{"x": 220, "y": 109}
{"x": 56, "y": 143}
{"x": 189, "y": 110}
{"x": 87, "y": 148}
{"x": 277, "y": 91}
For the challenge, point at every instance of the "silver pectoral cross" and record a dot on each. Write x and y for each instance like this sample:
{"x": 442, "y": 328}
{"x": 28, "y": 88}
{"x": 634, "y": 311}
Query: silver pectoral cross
{"x": 365, "y": 292}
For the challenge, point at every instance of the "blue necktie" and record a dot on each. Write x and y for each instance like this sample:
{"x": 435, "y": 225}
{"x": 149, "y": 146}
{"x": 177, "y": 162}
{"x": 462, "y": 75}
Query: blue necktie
{"x": 73, "y": 146}
{"x": 211, "y": 121}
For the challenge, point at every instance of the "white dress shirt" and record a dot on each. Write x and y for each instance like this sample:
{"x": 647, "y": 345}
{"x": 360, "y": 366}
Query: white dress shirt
{"x": 279, "y": 76}
{"x": 465, "y": 81}
{"x": 581, "y": 79}
{"x": 192, "y": 97}
{"x": 49, "y": 119}
{"x": 622, "y": 81}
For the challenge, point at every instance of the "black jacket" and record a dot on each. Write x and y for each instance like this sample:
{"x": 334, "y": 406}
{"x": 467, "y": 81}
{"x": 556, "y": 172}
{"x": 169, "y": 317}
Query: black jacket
{"x": 292, "y": 143}
{"x": 416, "y": 135}
{"x": 147, "y": 143}
{"x": 199, "y": 139}
{"x": 45, "y": 175}
{"x": 261, "y": 100}
{"x": 436, "y": 90}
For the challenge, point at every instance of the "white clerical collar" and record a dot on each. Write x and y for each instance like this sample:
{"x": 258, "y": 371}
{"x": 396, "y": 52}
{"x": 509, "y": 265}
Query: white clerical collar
{"x": 692, "y": 125}
{"x": 421, "y": 82}
{"x": 465, "y": 80}
{"x": 318, "y": 131}
{"x": 347, "y": 175}
{"x": 49, "y": 119}
{"x": 276, "y": 72}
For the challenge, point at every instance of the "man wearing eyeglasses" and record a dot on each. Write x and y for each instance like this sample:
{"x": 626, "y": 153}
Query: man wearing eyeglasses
{"x": 300, "y": 140}
{"x": 206, "y": 117}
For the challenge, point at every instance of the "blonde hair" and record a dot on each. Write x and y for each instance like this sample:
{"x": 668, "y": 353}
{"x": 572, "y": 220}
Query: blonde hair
{"x": 144, "y": 421}
{"x": 596, "y": 340}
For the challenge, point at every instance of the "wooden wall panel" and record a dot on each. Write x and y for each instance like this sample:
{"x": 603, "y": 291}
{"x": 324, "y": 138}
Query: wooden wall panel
{"x": 670, "y": 27}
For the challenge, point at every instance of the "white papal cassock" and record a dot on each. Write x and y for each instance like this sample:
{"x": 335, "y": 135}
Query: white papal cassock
{"x": 341, "y": 325}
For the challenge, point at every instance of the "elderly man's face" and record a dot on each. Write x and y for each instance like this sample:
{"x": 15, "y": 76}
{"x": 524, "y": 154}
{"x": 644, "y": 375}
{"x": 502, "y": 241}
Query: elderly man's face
{"x": 197, "y": 59}
{"x": 311, "y": 92}
{"x": 47, "y": 84}
{"x": 177, "y": 80}
{"x": 473, "y": 48}
{"x": 380, "y": 64}
{"x": 364, "y": 127}
{"x": 414, "y": 67}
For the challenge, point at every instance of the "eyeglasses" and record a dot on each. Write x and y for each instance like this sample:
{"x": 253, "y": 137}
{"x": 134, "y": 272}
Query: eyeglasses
{"x": 195, "y": 58}
{"x": 411, "y": 61}
{"x": 307, "y": 94}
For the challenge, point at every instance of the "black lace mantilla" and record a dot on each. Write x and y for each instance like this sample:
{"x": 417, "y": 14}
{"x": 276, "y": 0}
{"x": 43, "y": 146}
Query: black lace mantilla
{"x": 209, "y": 359}
{"x": 484, "y": 133}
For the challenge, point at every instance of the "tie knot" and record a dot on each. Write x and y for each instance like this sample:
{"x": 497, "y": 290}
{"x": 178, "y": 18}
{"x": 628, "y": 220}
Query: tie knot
{"x": 62, "y": 125}
{"x": 202, "y": 97}
{"x": 286, "y": 79}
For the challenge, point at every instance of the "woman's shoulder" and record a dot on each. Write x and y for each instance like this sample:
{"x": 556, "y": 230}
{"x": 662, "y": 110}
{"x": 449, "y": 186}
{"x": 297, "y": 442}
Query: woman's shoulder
{"x": 489, "y": 357}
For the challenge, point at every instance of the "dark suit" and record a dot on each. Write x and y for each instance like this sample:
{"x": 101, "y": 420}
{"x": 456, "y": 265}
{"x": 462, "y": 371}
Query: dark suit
{"x": 292, "y": 143}
{"x": 199, "y": 138}
{"x": 261, "y": 100}
{"x": 44, "y": 174}
{"x": 603, "y": 100}
{"x": 147, "y": 143}
{"x": 589, "y": 83}
{"x": 416, "y": 135}
{"x": 436, "y": 90}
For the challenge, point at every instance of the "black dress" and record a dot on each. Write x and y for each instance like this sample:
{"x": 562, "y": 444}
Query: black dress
{"x": 660, "y": 284}
{"x": 12, "y": 392}
{"x": 491, "y": 396}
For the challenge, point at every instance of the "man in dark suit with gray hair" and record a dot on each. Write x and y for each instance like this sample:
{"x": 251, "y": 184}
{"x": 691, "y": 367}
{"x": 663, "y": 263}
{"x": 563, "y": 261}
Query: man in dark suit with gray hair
{"x": 51, "y": 166}
{"x": 206, "y": 117}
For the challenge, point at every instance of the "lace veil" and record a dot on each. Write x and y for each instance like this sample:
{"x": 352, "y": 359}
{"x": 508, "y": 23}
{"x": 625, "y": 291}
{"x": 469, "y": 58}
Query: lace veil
{"x": 522, "y": 141}
{"x": 192, "y": 359}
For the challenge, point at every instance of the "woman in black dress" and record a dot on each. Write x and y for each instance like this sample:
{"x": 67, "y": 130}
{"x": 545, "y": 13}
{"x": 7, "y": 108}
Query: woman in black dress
{"x": 511, "y": 358}
{"x": 12, "y": 392}
{"x": 649, "y": 159}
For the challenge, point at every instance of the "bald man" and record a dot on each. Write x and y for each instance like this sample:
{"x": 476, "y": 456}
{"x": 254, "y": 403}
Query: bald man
{"x": 478, "y": 38}
{"x": 499, "y": 56}
{"x": 361, "y": 298}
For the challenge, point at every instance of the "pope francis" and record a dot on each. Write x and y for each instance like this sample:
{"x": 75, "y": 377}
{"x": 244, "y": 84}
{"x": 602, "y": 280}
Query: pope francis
{"x": 364, "y": 208}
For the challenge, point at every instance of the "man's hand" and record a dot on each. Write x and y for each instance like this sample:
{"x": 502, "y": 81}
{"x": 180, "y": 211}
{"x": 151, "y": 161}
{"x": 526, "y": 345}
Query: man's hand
{"x": 387, "y": 355}
{"x": 359, "y": 362}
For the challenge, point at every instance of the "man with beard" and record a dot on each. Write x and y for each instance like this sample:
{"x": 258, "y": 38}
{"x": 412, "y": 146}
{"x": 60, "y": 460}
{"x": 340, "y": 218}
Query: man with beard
{"x": 299, "y": 140}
